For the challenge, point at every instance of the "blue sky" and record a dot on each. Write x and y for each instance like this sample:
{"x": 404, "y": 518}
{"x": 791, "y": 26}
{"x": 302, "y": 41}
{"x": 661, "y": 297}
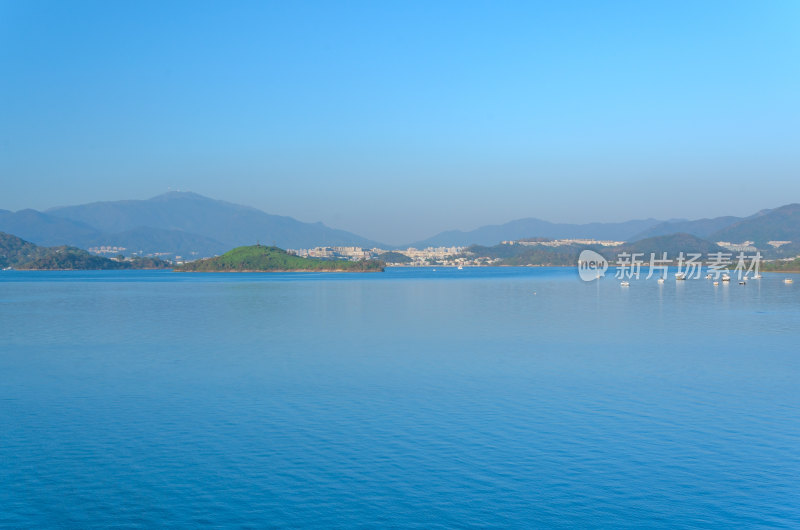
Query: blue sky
{"x": 397, "y": 120}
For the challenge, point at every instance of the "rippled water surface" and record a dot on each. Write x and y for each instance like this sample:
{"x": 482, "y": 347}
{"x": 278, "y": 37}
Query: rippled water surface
{"x": 488, "y": 397}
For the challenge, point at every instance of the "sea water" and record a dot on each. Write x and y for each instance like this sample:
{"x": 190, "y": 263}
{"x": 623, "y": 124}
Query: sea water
{"x": 492, "y": 397}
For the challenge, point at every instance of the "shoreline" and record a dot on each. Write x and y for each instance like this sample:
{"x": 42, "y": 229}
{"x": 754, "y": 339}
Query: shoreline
{"x": 342, "y": 270}
{"x": 79, "y": 270}
{"x": 287, "y": 270}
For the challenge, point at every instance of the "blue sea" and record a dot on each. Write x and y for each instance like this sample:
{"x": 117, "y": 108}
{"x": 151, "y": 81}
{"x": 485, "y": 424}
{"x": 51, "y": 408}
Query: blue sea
{"x": 421, "y": 398}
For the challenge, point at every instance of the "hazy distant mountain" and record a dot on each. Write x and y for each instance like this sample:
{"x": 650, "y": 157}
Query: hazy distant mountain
{"x": 700, "y": 227}
{"x": 230, "y": 224}
{"x": 531, "y": 227}
{"x": 46, "y": 230}
{"x": 777, "y": 224}
{"x": 191, "y": 225}
{"x": 781, "y": 224}
{"x": 184, "y": 224}
{"x": 50, "y": 230}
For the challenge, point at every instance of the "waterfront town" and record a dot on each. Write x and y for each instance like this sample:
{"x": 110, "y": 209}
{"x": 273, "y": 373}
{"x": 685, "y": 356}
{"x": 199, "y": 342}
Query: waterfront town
{"x": 410, "y": 257}
{"x": 442, "y": 256}
{"x": 454, "y": 256}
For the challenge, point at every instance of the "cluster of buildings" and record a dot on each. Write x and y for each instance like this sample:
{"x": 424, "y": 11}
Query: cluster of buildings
{"x": 430, "y": 253}
{"x": 416, "y": 257}
{"x": 114, "y": 251}
{"x": 430, "y": 256}
{"x": 563, "y": 242}
{"x": 107, "y": 250}
{"x": 749, "y": 246}
{"x": 746, "y": 246}
{"x": 351, "y": 253}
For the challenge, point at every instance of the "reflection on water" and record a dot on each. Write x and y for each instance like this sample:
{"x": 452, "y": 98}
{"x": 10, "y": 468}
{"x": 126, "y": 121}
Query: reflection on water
{"x": 492, "y": 397}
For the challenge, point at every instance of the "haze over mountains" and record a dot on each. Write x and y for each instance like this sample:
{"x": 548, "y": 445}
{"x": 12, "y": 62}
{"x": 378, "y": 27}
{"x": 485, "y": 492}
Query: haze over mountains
{"x": 180, "y": 223}
{"x": 532, "y": 227}
{"x": 699, "y": 227}
{"x": 777, "y": 224}
{"x": 190, "y": 225}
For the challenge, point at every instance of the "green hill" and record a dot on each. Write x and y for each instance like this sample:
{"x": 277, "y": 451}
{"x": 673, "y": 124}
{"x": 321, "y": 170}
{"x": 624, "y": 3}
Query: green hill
{"x": 260, "y": 258}
{"x": 522, "y": 255}
{"x": 20, "y": 254}
{"x": 71, "y": 258}
{"x": 15, "y": 251}
{"x": 395, "y": 257}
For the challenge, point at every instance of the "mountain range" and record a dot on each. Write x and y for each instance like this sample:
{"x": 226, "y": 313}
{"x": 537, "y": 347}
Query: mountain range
{"x": 175, "y": 223}
{"x": 532, "y": 227}
{"x": 777, "y": 224}
{"x": 700, "y": 227}
{"x": 782, "y": 224}
{"x": 193, "y": 226}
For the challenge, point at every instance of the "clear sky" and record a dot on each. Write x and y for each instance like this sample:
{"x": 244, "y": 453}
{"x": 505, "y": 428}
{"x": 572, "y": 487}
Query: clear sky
{"x": 397, "y": 120}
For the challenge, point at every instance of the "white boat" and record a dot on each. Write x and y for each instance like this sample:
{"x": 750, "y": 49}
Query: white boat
{"x": 726, "y": 278}
{"x": 743, "y": 282}
{"x": 661, "y": 280}
{"x": 709, "y": 276}
{"x": 788, "y": 280}
{"x": 460, "y": 267}
{"x": 680, "y": 276}
{"x": 756, "y": 276}
{"x": 624, "y": 284}
{"x": 716, "y": 283}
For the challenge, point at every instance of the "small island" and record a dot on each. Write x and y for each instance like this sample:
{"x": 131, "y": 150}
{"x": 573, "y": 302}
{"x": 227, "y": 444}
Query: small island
{"x": 259, "y": 258}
